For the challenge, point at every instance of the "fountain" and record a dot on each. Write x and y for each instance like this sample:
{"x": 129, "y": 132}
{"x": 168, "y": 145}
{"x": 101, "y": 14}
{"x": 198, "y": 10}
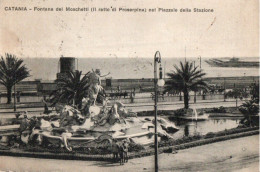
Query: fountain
{"x": 92, "y": 126}
{"x": 192, "y": 114}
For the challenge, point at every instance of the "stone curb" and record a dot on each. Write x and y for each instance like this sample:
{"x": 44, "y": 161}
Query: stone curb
{"x": 108, "y": 157}
{"x": 194, "y": 143}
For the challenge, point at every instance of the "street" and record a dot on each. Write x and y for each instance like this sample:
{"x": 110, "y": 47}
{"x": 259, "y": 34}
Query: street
{"x": 137, "y": 107}
{"x": 240, "y": 154}
{"x": 164, "y": 106}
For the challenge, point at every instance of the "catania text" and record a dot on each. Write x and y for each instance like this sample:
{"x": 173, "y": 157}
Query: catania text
{"x": 120, "y": 9}
{"x": 27, "y": 9}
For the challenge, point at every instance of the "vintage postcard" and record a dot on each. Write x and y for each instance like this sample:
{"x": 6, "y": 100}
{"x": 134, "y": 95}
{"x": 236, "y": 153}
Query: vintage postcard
{"x": 142, "y": 85}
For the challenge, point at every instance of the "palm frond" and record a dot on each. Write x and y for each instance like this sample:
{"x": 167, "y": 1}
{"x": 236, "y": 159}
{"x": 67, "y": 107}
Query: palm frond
{"x": 73, "y": 87}
{"x": 12, "y": 71}
{"x": 184, "y": 78}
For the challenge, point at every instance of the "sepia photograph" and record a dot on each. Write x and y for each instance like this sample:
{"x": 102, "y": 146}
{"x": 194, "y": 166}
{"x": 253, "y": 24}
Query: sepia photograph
{"x": 117, "y": 86}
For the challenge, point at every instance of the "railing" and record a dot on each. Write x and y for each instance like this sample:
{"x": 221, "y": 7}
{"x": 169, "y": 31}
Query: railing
{"x": 126, "y": 98}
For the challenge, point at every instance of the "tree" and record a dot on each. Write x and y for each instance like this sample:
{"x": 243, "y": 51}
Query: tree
{"x": 255, "y": 92}
{"x": 237, "y": 93}
{"x": 250, "y": 110}
{"x": 12, "y": 71}
{"x": 184, "y": 79}
{"x": 72, "y": 89}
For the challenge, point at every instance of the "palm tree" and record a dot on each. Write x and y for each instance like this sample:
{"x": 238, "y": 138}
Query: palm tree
{"x": 255, "y": 92}
{"x": 184, "y": 79}
{"x": 71, "y": 89}
{"x": 249, "y": 109}
{"x": 12, "y": 71}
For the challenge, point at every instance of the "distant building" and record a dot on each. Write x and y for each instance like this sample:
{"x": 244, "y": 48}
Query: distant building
{"x": 66, "y": 65}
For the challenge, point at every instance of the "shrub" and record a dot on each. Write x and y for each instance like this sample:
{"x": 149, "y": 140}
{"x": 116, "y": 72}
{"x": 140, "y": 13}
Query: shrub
{"x": 220, "y": 109}
{"x": 133, "y": 147}
{"x": 181, "y": 112}
{"x": 210, "y": 135}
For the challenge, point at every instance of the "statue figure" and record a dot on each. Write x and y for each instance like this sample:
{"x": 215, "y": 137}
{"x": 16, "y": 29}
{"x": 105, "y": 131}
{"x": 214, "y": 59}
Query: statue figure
{"x": 114, "y": 116}
{"x": 70, "y": 116}
{"x": 85, "y": 107}
{"x": 104, "y": 114}
{"x": 95, "y": 86}
{"x": 123, "y": 112}
{"x": 93, "y": 90}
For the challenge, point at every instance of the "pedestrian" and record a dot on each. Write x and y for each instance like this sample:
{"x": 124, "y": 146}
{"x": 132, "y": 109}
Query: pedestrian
{"x": 115, "y": 150}
{"x": 18, "y": 96}
{"x": 121, "y": 154}
{"x": 131, "y": 97}
{"x": 46, "y": 109}
{"x": 125, "y": 145}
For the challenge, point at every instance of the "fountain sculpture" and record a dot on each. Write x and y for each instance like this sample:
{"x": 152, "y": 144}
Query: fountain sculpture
{"x": 93, "y": 125}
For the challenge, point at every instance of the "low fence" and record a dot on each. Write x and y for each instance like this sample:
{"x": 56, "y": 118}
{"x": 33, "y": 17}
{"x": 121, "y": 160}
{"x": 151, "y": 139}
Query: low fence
{"x": 22, "y": 99}
{"x": 145, "y": 99}
{"x": 174, "y": 98}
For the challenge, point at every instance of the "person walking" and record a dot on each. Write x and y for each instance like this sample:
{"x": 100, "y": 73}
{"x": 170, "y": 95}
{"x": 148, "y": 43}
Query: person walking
{"x": 18, "y": 96}
{"x": 121, "y": 154}
{"x": 125, "y": 146}
{"x": 132, "y": 97}
{"x": 46, "y": 109}
{"x": 115, "y": 150}
{"x": 125, "y": 94}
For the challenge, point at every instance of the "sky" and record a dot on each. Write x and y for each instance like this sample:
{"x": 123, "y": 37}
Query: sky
{"x": 231, "y": 30}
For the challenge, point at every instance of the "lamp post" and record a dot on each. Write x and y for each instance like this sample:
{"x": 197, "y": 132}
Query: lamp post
{"x": 224, "y": 89}
{"x": 200, "y": 62}
{"x": 195, "y": 99}
{"x": 14, "y": 92}
{"x": 160, "y": 82}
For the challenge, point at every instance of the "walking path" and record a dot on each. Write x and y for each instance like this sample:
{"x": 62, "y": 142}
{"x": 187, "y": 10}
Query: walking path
{"x": 240, "y": 154}
{"x": 136, "y": 107}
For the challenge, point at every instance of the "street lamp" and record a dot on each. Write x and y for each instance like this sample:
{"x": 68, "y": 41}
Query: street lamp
{"x": 160, "y": 82}
{"x": 14, "y": 92}
{"x": 224, "y": 89}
